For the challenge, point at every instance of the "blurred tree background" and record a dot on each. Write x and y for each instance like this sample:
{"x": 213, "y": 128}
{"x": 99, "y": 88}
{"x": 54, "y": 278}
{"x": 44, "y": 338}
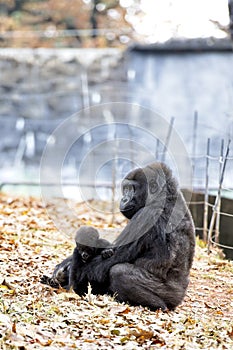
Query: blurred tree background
{"x": 59, "y": 23}
{"x": 109, "y": 23}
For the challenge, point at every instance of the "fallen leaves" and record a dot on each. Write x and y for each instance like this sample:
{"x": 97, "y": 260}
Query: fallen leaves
{"x": 35, "y": 316}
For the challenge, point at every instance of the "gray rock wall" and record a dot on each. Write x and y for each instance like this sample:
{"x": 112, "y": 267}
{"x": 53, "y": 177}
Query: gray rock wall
{"x": 40, "y": 88}
{"x": 49, "y": 84}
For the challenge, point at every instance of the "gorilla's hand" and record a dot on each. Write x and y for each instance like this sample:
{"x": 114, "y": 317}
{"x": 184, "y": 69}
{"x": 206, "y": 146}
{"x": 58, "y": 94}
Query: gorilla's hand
{"x": 107, "y": 253}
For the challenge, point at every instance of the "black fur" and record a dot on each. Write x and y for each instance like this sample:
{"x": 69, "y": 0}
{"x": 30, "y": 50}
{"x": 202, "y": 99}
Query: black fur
{"x": 60, "y": 276}
{"x": 88, "y": 245}
{"x": 154, "y": 253}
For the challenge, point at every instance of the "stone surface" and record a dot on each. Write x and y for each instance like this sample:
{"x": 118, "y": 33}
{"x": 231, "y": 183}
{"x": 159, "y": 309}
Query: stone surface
{"x": 43, "y": 87}
{"x": 47, "y": 84}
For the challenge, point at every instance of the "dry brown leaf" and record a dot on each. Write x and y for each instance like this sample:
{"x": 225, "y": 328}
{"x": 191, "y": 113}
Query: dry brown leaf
{"x": 33, "y": 315}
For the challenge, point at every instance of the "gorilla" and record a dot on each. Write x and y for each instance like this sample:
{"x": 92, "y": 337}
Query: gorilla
{"x": 151, "y": 258}
{"x": 88, "y": 245}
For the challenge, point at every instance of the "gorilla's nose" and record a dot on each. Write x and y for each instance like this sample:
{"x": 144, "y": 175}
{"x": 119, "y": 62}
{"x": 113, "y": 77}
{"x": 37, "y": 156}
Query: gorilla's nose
{"x": 85, "y": 255}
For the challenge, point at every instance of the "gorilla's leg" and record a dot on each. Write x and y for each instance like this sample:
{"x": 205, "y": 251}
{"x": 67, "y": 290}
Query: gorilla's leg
{"x": 137, "y": 286}
{"x": 60, "y": 275}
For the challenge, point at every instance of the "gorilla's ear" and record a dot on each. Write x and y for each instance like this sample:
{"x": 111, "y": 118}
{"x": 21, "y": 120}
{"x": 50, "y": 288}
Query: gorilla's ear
{"x": 153, "y": 186}
{"x": 156, "y": 178}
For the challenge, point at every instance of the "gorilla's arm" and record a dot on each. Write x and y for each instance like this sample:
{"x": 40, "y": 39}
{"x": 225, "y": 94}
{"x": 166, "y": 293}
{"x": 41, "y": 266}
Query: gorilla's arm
{"x": 153, "y": 246}
{"x": 74, "y": 274}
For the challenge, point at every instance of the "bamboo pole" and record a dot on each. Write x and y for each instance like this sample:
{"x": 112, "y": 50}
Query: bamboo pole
{"x": 195, "y": 121}
{"x": 131, "y": 142}
{"x": 218, "y": 197}
{"x": 206, "y": 207}
{"x": 194, "y": 143}
{"x": 157, "y": 150}
{"x": 217, "y": 224}
{"x": 114, "y": 170}
{"x": 163, "y": 157}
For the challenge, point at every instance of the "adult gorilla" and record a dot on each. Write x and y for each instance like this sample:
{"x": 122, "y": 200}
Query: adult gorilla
{"x": 154, "y": 253}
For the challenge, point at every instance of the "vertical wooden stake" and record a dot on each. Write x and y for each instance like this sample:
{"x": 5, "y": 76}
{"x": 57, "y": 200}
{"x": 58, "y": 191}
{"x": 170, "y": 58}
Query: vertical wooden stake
{"x": 195, "y": 121}
{"x": 206, "y": 204}
{"x": 218, "y": 197}
{"x": 194, "y": 139}
{"x": 163, "y": 156}
{"x": 217, "y": 224}
{"x": 157, "y": 150}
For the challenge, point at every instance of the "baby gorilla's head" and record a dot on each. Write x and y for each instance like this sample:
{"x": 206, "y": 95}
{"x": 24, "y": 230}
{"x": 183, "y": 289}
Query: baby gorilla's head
{"x": 86, "y": 240}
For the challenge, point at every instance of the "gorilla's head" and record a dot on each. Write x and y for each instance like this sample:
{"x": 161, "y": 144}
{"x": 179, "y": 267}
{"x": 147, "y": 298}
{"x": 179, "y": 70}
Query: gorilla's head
{"x": 145, "y": 186}
{"x": 86, "y": 240}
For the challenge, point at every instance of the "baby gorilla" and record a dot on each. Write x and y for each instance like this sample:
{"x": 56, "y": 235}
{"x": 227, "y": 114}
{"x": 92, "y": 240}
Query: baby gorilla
{"x": 88, "y": 245}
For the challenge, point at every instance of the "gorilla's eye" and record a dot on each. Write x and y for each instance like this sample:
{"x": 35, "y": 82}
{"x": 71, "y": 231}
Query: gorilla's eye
{"x": 128, "y": 188}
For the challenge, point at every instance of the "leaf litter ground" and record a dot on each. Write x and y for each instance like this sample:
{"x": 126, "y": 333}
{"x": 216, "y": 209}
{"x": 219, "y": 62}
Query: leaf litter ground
{"x": 35, "y": 316}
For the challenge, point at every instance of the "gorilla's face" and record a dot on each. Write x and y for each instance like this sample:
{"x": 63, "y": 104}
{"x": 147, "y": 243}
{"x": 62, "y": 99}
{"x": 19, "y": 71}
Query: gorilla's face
{"x": 134, "y": 194}
{"x": 142, "y": 187}
{"x": 87, "y": 253}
